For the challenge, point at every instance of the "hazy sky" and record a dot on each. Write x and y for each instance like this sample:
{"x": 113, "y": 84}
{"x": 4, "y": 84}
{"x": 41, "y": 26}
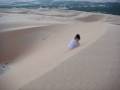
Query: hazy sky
{"x": 93, "y": 0}
{"x": 60, "y": 0}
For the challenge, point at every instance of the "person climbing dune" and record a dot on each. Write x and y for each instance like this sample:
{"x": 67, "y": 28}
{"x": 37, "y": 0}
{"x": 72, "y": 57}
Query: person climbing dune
{"x": 74, "y": 42}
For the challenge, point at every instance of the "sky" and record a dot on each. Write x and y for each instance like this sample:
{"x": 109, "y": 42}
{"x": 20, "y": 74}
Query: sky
{"x": 1, "y": 1}
{"x": 92, "y": 0}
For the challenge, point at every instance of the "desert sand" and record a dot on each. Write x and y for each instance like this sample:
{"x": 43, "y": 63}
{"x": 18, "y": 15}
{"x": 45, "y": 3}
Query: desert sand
{"x": 35, "y": 48}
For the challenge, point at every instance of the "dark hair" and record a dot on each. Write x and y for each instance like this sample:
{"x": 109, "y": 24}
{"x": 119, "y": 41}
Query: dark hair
{"x": 77, "y": 36}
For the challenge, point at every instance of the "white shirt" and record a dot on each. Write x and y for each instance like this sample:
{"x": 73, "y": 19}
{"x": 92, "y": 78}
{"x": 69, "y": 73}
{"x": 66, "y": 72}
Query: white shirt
{"x": 73, "y": 44}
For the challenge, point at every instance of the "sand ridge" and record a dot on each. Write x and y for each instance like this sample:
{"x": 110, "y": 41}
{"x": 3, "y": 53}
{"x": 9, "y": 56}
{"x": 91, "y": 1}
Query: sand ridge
{"x": 33, "y": 51}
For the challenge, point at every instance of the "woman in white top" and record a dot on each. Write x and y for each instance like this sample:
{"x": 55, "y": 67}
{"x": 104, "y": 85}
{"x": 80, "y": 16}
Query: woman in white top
{"x": 74, "y": 42}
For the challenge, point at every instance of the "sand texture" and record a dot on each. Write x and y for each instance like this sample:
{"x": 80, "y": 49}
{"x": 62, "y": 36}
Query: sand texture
{"x": 35, "y": 48}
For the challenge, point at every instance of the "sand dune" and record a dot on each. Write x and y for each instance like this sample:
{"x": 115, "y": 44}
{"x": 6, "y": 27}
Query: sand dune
{"x": 15, "y": 43}
{"x": 37, "y": 47}
{"x": 91, "y": 69}
{"x": 115, "y": 20}
{"x": 91, "y": 18}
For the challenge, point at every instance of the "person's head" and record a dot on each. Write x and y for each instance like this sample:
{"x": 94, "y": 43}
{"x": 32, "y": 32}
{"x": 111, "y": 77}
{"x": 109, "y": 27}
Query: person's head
{"x": 77, "y": 37}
